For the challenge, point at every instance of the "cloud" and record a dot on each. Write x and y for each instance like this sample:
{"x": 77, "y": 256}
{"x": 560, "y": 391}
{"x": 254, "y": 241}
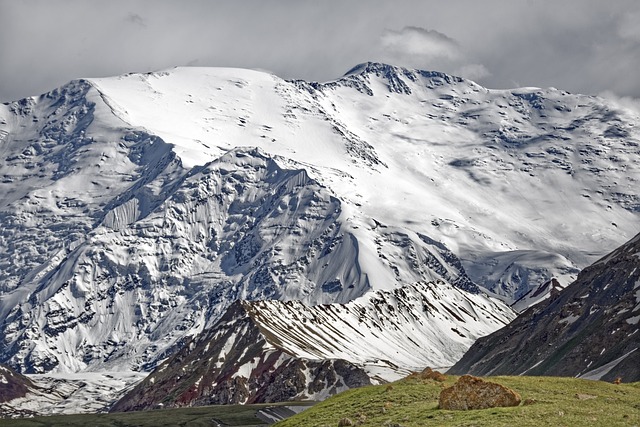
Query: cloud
{"x": 417, "y": 47}
{"x": 474, "y": 72}
{"x": 629, "y": 28}
{"x": 136, "y": 19}
{"x": 625, "y": 102}
{"x": 429, "y": 44}
{"x": 586, "y": 46}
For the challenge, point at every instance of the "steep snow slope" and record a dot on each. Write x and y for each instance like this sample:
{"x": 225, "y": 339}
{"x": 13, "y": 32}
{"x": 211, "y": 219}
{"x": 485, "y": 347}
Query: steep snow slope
{"x": 67, "y": 393}
{"x": 136, "y": 209}
{"x": 267, "y": 351}
{"x": 240, "y": 227}
{"x": 385, "y": 325}
{"x": 485, "y": 172}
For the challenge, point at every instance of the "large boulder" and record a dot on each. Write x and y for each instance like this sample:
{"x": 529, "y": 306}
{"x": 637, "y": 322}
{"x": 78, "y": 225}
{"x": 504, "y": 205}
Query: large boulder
{"x": 430, "y": 374}
{"x": 471, "y": 392}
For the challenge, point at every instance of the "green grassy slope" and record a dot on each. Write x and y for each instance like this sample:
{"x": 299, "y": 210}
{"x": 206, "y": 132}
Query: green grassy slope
{"x": 410, "y": 402}
{"x": 414, "y": 402}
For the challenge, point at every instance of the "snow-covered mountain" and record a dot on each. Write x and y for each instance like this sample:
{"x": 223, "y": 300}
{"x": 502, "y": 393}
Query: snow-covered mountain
{"x": 590, "y": 329}
{"x": 136, "y": 209}
{"x": 63, "y": 393}
{"x": 272, "y": 351}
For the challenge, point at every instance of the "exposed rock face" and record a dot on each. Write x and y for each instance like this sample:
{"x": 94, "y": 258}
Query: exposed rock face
{"x": 590, "y": 329}
{"x": 12, "y": 384}
{"x": 475, "y": 393}
{"x": 13, "y": 387}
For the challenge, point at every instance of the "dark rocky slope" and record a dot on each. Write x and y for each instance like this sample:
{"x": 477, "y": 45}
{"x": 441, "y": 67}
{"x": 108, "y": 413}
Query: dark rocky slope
{"x": 590, "y": 329}
{"x": 273, "y": 351}
{"x": 234, "y": 362}
{"x": 13, "y": 386}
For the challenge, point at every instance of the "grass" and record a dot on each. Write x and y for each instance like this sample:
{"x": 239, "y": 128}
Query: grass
{"x": 410, "y": 402}
{"x": 413, "y": 402}
{"x": 225, "y": 415}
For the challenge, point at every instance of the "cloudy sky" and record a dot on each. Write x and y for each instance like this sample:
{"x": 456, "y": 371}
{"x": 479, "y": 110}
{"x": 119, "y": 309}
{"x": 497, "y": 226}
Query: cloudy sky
{"x": 584, "y": 46}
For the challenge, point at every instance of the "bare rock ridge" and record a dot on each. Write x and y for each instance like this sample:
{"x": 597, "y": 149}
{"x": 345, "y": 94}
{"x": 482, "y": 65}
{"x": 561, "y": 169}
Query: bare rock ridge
{"x": 13, "y": 385}
{"x": 591, "y": 329}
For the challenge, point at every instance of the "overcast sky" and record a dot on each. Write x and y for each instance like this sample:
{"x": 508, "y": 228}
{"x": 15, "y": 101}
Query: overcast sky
{"x": 584, "y": 46}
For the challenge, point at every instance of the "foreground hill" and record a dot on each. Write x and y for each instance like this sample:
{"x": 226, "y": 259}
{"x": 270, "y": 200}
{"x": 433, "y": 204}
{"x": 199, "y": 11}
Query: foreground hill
{"x": 413, "y": 402}
{"x": 273, "y": 351}
{"x": 590, "y": 329}
{"x": 221, "y": 415}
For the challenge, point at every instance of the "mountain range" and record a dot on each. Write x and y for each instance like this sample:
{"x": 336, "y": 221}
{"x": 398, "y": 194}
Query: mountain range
{"x": 138, "y": 210}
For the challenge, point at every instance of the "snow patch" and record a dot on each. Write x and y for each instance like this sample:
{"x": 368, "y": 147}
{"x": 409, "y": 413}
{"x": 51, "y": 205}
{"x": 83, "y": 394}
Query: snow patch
{"x": 598, "y": 373}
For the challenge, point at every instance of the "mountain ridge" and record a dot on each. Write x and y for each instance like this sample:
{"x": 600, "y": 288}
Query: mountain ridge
{"x": 589, "y": 329}
{"x": 270, "y": 350}
{"x": 399, "y": 186}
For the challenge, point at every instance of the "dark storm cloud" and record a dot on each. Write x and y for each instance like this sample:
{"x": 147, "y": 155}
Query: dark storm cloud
{"x": 584, "y": 46}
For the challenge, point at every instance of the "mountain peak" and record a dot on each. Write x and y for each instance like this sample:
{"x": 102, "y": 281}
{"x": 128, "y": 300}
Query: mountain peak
{"x": 398, "y": 78}
{"x": 372, "y": 67}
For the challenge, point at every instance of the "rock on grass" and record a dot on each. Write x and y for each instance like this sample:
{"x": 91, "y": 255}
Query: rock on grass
{"x": 471, "y": 392}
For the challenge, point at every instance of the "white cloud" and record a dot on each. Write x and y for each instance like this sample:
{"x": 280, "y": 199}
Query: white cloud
{"x": 429, "y": 44}
{"x": 585, "y": 46}
{"x": 626, "y": 102}
{"x": 472, "y": 71}
{"x": 423, "y": 48}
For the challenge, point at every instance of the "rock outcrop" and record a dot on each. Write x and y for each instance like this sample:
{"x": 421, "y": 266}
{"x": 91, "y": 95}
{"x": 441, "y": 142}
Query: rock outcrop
{"x": 12, "y": 384}
{"x": 430, "y": 374}
{"x": 471, "y": 392}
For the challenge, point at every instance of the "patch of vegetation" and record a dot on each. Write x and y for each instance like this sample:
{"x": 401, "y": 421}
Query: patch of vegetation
{"x": 219, "y": 415}
{"x": 413, "y": 402}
